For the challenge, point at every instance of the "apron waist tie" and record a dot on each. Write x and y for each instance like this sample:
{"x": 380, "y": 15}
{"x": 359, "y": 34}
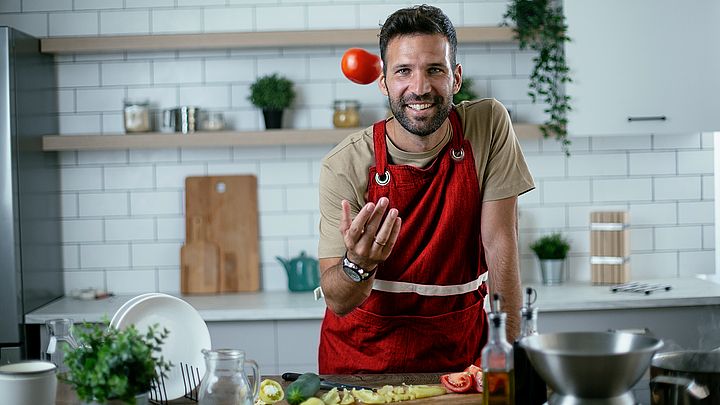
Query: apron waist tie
{"x": 427, "y": 289}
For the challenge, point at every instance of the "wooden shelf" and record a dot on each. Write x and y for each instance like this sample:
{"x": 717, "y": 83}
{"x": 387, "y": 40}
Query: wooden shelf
{"x": 217, "y": 139}
{"x": 228, "y": 40}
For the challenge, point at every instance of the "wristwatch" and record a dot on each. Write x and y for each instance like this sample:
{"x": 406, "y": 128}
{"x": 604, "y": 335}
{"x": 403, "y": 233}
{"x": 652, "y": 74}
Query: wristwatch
{"x": 355, "y": 272}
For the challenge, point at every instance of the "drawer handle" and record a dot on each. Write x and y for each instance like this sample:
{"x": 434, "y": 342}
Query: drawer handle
{"x": 650, "y": 118}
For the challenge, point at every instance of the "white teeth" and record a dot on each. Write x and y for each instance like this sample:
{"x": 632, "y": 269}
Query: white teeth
{"x": 419, "y": 107}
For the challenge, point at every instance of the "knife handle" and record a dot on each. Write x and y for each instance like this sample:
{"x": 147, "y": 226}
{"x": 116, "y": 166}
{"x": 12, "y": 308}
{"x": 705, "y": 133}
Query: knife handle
{"x": 290, "y": 376}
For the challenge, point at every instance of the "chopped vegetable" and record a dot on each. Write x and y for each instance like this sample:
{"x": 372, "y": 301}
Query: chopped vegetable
{"x": 331, "y": 397}
{"x": 368, "y": 396}
{"x": 458, "y": 382}
{"x": 425, "y": 391}
{"x": 347, "y": 397}
{"x": 271, "y": 391}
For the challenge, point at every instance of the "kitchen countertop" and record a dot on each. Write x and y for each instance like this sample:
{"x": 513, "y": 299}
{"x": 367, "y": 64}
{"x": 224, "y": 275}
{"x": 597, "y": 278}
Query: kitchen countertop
{"x": 65, "y": 395}
{"x": 285, "y": 305}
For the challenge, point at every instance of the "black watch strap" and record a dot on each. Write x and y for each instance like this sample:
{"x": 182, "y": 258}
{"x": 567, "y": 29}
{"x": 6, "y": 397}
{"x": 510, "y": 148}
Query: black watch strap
{"x": 355, "y": 272}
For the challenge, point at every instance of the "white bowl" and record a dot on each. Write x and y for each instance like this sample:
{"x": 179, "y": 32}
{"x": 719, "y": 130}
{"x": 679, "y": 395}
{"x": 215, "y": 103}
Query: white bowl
{"x": 28, "y": 383}
{"x": 188, "y": 335}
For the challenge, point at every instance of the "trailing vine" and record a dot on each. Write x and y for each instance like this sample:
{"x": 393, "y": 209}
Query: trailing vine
{"x": 540, "y": 25}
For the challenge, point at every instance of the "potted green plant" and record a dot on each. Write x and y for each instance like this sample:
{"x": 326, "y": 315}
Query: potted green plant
{"x": 551, "y": 251}
{"x": 540, "y": 26}
{"x": 113, "y": 366}
{"x": 466, "y": 92}
{"x": 273, "y": 94}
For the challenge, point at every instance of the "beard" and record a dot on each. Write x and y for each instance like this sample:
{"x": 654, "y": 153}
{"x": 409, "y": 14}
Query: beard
{"x": 425, "y": 125}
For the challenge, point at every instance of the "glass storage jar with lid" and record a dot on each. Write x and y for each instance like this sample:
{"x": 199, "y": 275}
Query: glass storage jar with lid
{"x": 347, "y": 114}
{"x": 136, "y": 115}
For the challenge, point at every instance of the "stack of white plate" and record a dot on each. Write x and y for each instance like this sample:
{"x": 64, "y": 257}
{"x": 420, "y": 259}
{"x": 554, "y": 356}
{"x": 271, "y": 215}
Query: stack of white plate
{"x": 188, "y": 333}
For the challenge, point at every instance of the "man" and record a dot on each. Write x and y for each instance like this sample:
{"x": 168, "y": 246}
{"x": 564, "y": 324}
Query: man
{"x": 404, "y": 250}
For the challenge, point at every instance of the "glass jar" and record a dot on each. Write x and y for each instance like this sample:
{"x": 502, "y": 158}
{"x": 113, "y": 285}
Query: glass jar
{"x": 347, "y": 114}
{"x": 136, "y": 116}
{"x": 225, "y": 381}
{"x": 60, "y": 342}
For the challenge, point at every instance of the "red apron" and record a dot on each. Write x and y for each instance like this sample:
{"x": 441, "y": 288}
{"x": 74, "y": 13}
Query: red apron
{"x": 425, "y": 313}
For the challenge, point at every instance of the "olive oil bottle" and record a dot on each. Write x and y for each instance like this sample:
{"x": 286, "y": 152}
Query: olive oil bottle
{"x": 497, "y": 361}
{"x": 530, "y": 388}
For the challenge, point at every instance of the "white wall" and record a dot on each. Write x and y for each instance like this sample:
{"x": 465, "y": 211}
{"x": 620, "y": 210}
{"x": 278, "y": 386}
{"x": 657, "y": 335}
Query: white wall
{"x": 123, "y": 210}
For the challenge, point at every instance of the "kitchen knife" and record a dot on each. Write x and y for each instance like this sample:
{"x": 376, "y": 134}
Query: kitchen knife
{"x": 324, "y": 384}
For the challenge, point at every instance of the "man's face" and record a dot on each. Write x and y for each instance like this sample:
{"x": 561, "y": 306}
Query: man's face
{"x": 419, "y": 81}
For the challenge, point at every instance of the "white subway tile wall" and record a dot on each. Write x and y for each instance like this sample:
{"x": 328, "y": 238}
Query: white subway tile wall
{"x": 123, "y": 222}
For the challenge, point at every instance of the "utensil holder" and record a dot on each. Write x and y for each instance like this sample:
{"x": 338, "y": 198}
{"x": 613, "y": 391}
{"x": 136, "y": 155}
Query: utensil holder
{"x": 610, "y": 247}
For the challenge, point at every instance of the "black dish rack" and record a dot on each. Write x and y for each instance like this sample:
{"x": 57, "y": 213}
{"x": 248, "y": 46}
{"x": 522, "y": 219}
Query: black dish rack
{"x": 191, "y": 383}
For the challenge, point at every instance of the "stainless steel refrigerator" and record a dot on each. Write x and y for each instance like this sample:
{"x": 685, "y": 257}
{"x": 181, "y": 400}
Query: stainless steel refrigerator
{"x": 30, "y": 252}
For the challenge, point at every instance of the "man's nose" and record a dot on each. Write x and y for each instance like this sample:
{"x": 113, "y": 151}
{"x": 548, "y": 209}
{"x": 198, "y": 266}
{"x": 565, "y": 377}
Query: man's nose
{"x": 420, "y": 84}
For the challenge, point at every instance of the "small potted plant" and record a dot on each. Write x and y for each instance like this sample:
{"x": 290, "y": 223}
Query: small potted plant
{"x": 551, "y": 251}
{"x": 113, "y": 366}
{"x": 273, "y": 93}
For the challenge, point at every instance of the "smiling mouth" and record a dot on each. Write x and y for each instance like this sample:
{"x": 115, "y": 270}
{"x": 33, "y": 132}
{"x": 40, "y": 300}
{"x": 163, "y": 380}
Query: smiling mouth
{"x": 419, "y": 107}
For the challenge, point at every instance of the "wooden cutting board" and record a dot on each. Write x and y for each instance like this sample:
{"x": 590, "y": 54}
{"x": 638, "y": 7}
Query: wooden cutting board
{"x": 229, "y": 209}
{"x": 200, "y": 260}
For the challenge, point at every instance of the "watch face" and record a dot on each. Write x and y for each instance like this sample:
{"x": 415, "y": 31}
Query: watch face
{"x": 354, "y": 276}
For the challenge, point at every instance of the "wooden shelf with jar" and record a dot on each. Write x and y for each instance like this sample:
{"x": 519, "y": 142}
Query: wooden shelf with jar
{"x": 156, "y": 140}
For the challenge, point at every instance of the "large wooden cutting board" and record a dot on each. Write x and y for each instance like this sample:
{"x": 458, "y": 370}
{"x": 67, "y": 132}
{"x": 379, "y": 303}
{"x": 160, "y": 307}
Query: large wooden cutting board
{"x": 229, "y": 210}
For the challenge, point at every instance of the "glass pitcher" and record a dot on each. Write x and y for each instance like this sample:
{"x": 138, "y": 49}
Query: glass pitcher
{"x": 60, "y": 341}
{"x": 225, "y": 381}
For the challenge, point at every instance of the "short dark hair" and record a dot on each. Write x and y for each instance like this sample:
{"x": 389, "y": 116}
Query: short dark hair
{"x": 422, "y": 19}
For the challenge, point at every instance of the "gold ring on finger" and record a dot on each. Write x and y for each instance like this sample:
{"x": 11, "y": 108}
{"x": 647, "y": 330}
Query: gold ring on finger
{"x": 381, "y": 244}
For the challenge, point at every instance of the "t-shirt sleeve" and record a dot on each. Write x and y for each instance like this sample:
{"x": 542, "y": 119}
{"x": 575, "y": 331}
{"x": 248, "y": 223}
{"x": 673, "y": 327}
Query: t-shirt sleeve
{"x": 333, "y": 189}
{"x": 506, "y": 174}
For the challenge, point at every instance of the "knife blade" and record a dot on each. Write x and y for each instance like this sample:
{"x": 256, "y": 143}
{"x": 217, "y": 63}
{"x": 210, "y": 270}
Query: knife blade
{"x": 325, "y": 384}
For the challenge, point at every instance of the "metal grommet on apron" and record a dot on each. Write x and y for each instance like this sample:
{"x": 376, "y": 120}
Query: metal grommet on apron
{"x": 385, "y": 180}
{"x": 458, "y": 155}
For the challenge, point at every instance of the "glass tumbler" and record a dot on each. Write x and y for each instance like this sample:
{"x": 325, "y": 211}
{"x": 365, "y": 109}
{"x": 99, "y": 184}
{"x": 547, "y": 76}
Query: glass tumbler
{"x": 60, "y": 342}
{"x": 225, "y": 381}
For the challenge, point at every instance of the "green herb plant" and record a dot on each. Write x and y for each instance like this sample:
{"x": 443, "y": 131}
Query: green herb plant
{"x": 540, "y": 26}
{"x": 114, "y": 364}
{"x": 551, "y": 247}
{"x": 466, "y": 92}
{"x": 272, "y": 92}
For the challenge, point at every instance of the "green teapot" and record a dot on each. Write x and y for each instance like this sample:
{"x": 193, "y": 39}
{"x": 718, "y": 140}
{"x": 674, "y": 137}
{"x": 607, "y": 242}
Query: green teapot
{"x": 303, "y": 272}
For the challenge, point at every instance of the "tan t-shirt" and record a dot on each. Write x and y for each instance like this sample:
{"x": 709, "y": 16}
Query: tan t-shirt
{"x": 502, "y": 171}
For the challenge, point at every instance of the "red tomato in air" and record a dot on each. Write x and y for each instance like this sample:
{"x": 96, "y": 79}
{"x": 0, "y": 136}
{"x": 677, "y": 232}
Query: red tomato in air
{"x": 360, "y": 66}
{"x": 458, "y": 382}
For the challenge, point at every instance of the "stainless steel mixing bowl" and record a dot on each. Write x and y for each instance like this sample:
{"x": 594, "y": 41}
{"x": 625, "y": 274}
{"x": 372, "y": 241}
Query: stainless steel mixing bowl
{"x": 590, "y": 365}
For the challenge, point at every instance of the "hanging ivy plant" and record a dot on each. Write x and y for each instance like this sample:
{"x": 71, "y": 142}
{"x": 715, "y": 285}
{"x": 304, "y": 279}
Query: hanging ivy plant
{"x": 540, "y": 25}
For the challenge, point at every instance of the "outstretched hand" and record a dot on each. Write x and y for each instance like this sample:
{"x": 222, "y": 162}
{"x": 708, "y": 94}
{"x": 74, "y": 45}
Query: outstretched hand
{"x": 367, "y": 240}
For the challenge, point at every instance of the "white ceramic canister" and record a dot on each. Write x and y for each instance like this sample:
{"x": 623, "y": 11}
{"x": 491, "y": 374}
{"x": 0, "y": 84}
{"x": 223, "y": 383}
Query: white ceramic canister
{"x": 28, "y": 383}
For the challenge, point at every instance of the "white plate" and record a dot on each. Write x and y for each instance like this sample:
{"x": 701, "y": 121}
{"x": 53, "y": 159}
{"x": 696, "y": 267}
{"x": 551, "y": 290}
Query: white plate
{"x": 188, "y": 334}
{"x": 125, "y": 306}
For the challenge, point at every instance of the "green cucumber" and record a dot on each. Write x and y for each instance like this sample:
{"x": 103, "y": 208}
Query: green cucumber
{"x": 306, "y": 386}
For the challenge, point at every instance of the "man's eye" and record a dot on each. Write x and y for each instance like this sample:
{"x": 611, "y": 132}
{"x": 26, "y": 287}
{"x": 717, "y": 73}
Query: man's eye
{"x": 435, "y": 70}
{"x": 403, "y": 71}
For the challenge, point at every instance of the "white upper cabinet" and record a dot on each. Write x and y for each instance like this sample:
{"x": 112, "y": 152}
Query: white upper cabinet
{"x": 643, "y": 66}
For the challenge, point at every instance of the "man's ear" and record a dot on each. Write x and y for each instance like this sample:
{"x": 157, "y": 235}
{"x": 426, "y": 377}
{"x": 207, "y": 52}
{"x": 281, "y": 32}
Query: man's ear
{"x": 382, "y": 85}
{"x": 457, "y": 76}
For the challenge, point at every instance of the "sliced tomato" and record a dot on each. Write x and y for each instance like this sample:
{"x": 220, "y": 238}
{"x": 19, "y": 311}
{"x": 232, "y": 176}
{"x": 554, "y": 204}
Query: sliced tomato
{"x": 458, "y": 382}
{"x": 476, "y": 373}
{"x": 473, "y": 369}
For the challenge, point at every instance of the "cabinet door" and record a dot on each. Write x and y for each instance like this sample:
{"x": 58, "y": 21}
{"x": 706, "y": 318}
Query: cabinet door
{"x": 635, "y": 62}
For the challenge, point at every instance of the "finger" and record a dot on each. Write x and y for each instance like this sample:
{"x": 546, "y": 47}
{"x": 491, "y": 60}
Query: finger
{"x": 357, "y": 227}
{"x": 373, "y": 224}
{"x": 345, "y": 220}
{"x": 393, "y": 235}
{"x": 383, "y": 234}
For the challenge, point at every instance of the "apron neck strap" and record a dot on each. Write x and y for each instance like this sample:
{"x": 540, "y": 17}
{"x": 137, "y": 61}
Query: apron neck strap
{"x": 380, "y": 144}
